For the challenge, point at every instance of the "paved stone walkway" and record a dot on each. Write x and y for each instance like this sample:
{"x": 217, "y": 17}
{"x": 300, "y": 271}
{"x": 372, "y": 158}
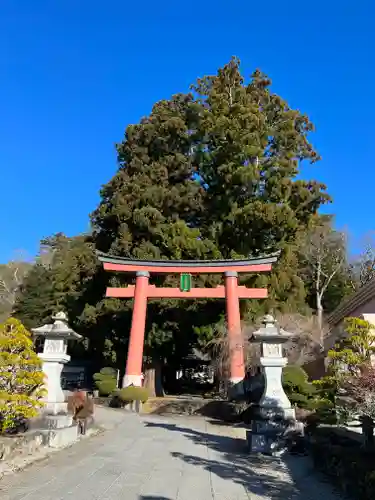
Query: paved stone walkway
{"x": 150, "y": 458}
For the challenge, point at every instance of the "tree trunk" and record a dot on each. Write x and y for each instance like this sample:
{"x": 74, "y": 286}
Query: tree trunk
{"x": 319, "y": 310}
{"x": 368, "y": 432}
{"x": 153, "y": 381}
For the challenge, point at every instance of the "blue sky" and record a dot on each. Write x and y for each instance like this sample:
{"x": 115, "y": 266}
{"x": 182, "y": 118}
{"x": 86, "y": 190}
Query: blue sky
{"x": 75, "y": 73}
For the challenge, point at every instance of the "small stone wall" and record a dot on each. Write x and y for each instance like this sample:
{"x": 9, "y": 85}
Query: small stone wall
{"x": 24, "y": 444}
{"x": 16, "y": 452}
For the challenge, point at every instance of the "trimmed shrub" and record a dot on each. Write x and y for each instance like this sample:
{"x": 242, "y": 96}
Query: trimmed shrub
{"x": 107, "y": 372}
{"x": 106, "y": 387}
{"x": 297, "y": 387}
{"x": 132, "y": 393}
{"x": 106, "y": 381}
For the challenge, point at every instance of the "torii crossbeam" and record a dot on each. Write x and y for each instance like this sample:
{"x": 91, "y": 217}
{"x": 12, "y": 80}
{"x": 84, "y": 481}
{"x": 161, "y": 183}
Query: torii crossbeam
{"x": 143, "y": 290}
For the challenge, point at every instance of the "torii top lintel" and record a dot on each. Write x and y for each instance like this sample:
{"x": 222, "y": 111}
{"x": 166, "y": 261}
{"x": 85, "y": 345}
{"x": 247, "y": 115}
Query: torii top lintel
{"x": 124, "y": 264}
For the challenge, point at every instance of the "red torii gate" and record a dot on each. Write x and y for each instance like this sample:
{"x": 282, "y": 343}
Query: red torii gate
{"x": 142, "y": 290}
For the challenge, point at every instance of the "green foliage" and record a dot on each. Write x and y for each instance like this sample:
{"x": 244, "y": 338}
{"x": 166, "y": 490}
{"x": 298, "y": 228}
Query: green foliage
{"x": 324, "y": 412}
{"x": 297, "y": 387}
{"x": 348, "y": 358}
{"x": 67, "y": 276}
{"x": 354, "y": 350}
{"x": 21, "y": 377}
{"x": 132, "y": 393}
{"x": 35, "y": 302}
{"x": 105, "y": 372}
{"x": 350, "y": 354}
{"x": 106, "y": 387}
{"x": 106, "y": 381}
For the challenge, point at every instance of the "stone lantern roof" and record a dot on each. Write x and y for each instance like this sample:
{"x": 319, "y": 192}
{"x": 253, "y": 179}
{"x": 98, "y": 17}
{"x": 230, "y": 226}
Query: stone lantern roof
{"x": 271, "y": 332}
{"x": 59, "y": 329}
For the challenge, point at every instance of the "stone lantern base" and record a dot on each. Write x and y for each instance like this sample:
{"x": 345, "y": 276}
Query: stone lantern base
{"x": 54, "y": 401}
{"x": 270, "y": 430}
{"x": 274, "y": 422}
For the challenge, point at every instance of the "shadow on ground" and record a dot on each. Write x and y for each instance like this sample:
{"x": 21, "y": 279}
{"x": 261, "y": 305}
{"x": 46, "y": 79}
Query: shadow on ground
{"x": 148, "y": 497}
{"x": 268, "y": 477}
{"x": 222, "y": 444}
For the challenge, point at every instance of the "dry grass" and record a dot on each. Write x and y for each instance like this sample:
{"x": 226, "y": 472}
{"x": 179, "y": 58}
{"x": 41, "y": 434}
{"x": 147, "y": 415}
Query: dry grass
{"x": 304, "y": 346}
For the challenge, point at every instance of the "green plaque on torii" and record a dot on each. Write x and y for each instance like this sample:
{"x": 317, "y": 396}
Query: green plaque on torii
{"x": 185, "y": 282}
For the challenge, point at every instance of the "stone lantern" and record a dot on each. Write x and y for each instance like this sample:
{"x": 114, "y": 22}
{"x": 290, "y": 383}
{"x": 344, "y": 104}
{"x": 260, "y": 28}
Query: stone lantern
{"x": 54, "y": 356}
{"x": 275, "y": 414}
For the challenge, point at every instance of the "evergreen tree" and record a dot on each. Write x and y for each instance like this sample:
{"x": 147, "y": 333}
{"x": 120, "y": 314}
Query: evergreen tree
{"x": 252, "y": 144}
{"x": 67, "y": 276}
{"x": 211, "y": 174}
{"x": 35, "y": 302}
{"x": 152, "y": 209}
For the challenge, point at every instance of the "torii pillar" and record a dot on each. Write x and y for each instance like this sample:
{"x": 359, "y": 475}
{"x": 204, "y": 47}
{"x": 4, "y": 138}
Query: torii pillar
{"x": 235, "y": 340}
{"x": 133, "y": 373}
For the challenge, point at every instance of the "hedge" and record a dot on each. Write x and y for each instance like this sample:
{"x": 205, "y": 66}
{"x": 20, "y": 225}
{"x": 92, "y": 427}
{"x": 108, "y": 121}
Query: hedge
{"x": 345, "y": 462}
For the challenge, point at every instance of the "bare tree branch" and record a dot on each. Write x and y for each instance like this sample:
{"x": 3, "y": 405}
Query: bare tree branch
{"x": 11, "y": 277}
{"x": 305, "y": 345}
{"x": 323, "y": 251}
{"x": 364, "y": 263}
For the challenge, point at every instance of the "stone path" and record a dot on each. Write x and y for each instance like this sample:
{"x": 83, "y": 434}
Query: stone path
{"x": 150, "y": 458}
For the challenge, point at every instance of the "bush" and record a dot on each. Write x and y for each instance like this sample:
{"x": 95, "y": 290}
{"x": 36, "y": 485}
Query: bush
{"x": 347, "y": 465}
{"x": 21, "y": 376}
{"x": 132, "y": 393}
{"x": 107, "y": 372}
{"x": 106, "y": 387}
{"x": 324, "y": 412}
{"x": 106, "y": 381}
{"x": 297, "y": 387}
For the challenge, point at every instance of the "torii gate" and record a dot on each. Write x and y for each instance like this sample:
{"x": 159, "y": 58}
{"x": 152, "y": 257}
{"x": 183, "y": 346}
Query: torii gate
{"x": 142, "y": 290}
